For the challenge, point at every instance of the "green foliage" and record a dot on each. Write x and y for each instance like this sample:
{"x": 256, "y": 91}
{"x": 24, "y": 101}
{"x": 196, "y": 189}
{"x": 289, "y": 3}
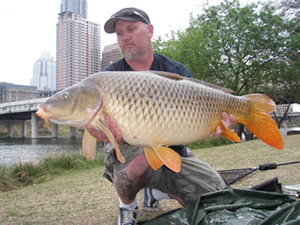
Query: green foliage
{"x": 245, "y": 48}
{"x": 7, "y": 183}
{"x": 210, "y": 142}
{"x": 26, "y": 172}
{"x": 22, "y": 174}
{"x": 69, "y": 161}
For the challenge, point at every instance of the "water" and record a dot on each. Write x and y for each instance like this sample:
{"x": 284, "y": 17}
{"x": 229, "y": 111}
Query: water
{"x": 14, "y": 150}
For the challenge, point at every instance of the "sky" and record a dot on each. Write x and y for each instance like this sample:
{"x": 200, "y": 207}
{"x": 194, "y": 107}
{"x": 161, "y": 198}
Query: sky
{"x": 29, "y": 27}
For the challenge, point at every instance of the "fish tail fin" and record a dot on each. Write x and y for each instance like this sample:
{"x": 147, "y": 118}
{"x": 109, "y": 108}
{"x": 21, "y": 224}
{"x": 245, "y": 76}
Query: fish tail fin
{"x": 262, "y": 124}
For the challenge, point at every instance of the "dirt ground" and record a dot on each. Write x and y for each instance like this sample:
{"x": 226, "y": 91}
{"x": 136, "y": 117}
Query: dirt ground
{"x": 84, "y": 197}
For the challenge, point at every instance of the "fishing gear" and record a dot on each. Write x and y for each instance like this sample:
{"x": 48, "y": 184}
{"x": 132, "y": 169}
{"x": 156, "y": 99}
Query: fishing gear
{"x": 233, "y": 175}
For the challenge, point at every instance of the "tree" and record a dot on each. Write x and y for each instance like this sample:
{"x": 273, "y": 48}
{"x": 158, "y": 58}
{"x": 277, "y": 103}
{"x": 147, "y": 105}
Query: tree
{"x": 229, "y": 45}
{"x": 290, "y": 10}
{"x": 247, "y": 49}
{"x": 288, "y": 90}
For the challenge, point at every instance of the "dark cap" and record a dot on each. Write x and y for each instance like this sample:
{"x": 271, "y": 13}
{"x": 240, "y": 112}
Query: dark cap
{"x": 126, "y": 14}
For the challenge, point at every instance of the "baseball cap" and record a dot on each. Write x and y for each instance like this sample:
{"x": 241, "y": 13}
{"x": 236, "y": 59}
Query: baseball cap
{"x": 126, "y": 14}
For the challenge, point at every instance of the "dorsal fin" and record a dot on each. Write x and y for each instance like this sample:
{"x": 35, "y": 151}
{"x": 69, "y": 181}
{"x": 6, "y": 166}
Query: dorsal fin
{"x": 210, "y": 85}
{"x": 175, "y": 76}
{"x": 172, "y": 76}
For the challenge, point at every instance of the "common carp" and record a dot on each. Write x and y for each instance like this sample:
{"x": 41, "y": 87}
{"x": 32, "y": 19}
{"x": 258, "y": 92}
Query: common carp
{"x": 155, "y": 110}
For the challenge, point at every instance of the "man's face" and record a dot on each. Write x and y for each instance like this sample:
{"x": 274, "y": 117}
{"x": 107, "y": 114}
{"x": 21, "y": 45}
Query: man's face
{"x": 134, "y": 38}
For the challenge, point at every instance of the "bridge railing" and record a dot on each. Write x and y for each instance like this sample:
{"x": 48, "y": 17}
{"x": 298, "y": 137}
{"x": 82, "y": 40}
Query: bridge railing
{"x": 21, "y": 106}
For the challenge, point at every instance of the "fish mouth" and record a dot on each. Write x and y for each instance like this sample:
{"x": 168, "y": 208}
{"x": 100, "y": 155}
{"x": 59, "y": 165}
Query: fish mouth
{"x": 44, "y": 114}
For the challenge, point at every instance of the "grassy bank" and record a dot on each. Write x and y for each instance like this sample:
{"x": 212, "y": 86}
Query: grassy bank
{"x": 23, "y": 174}
{"x": 27, "y": 173}
{"x": 82, "y": 196}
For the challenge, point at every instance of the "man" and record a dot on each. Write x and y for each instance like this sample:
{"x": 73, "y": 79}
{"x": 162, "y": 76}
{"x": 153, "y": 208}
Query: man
{"x": 134, "y": 33}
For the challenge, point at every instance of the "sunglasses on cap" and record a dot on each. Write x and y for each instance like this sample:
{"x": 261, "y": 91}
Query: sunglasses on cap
{"x": 129, "y": 12}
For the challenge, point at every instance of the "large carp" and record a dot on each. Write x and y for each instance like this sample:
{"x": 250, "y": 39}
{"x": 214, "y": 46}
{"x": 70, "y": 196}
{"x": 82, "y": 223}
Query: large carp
{"x": 155, "y": 110}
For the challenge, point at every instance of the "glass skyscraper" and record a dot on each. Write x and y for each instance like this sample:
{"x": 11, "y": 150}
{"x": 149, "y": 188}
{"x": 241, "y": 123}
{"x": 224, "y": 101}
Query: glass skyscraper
{"x": 75, "y": 6}
{"x": 44, "y": 73}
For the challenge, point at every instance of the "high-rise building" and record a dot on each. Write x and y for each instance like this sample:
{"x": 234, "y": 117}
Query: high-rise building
{"x": 44, "y": 73}
{"x": 110, "y": 54}
{"x": 78, "y": 50}
{"x": 75, "y": 6}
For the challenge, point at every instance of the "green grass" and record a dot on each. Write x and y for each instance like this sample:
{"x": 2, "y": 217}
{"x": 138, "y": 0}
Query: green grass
{"x": 6, "y": 182}
{"x": 23, "y": 174}
{"x": 83, "y": 196}
{"x": 27, "y": 173}
{"x": 210, "y": 142}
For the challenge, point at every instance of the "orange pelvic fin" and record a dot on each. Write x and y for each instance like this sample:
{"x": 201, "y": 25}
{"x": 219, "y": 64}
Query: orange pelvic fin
{"x": 262, "y": 124}
{"x": 101, "y": 126}
{"x": 169, "y": 157}
{"x": 89, "y": 144}
{"x": 153, "y": 160}
{"x": 231, "y": 135}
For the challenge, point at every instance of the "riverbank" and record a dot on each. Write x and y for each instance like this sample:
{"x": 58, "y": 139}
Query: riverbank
{"x": 84, "y": 197}
{"x": 22, "y": 174}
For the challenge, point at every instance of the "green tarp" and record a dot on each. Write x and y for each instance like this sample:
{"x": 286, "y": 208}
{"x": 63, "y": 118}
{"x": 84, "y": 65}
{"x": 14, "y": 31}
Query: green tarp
{"x": 234, "y": 206}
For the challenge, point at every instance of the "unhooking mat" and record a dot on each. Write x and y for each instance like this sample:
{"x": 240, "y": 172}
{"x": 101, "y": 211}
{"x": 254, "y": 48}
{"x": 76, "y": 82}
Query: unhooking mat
{"x": 236, "y": 207}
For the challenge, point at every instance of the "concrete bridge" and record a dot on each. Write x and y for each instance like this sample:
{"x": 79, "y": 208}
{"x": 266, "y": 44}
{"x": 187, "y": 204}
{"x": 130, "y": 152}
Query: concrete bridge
{"x": 17, "y": 113}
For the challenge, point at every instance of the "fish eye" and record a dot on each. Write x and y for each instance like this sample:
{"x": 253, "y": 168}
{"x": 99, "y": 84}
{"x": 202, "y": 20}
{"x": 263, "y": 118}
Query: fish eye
{"x": 65, "y": 96}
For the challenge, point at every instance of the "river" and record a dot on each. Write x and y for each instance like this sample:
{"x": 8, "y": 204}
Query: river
{"x": 14, "y": 150}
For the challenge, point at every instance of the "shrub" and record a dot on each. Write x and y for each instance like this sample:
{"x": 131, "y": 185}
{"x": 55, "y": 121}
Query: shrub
{"x": 210, "y": 142}
{"x": 22, "y": 174}
{"x": 26, "y": 172}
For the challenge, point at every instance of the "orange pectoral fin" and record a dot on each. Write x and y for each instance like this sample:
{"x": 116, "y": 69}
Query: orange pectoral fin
{"x": 101, "y": 126}
{"x": 89, "y": 144}
{"x": 169, "y": 157}
{"x": 231, "y": 135}
{"x": 153, "y": 160}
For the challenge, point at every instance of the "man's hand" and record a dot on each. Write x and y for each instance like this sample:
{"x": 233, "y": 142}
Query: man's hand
{"x": 111, "y": 125}
{"x": 226, "y": 121}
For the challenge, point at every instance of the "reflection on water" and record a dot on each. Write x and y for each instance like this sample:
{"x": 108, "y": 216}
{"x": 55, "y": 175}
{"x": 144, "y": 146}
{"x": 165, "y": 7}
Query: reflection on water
{"x": 13, "y": 150}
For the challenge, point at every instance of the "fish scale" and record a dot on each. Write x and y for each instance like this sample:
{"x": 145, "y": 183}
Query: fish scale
{"x": 157, "y": 109}
{"x": 153, "y": 100}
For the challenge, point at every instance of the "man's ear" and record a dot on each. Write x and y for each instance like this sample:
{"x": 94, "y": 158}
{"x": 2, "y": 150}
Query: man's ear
{"x": 150, "y": 29}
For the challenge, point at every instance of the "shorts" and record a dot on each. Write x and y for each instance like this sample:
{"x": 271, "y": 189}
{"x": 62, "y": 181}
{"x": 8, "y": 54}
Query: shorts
{"x": 194, "y": 179}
